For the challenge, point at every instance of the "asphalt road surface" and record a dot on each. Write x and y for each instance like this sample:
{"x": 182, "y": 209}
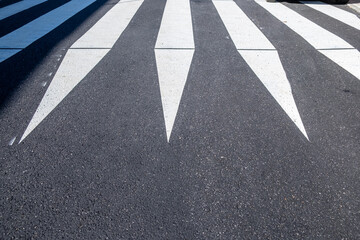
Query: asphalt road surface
{"x": 178, "y": 119}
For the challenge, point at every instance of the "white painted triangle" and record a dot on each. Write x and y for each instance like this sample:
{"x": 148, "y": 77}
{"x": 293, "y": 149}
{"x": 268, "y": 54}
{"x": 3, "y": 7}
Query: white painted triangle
{"x": 349, "y": 59}
{"x": 173, "y": 67}
{"x": 76, "y": 65}
{"x": 267, "y": 66}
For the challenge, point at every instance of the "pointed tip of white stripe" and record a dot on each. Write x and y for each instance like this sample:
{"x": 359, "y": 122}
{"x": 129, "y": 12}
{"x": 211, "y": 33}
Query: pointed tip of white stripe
{"x": 268, "y": 68}
{"x": 76, "y": 65}
{"x": 301, "y": 127}
{"x": 173, "y": 67}
{"x": 348, "y": 59}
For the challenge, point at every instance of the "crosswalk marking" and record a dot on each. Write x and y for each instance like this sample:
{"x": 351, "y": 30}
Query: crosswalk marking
{"x": 334, "y": 12}
{"x": 321, "y": 39}
{"x": 318, "y": 37}
{"x": 175, "y": 47}
{"x": 261, "y": 56}
{"x": 15, "y": 8}
{"x": 108, "y": 29}
{"x": 83, "y": 56}
{"x": 174, "y": 51}
{"x": 349, "y": 59}
{"x": 74, "y": 68}
{"x": 242, "y": 30}
{"x": 176, "y": 26}
{"x": 29, "y": 33}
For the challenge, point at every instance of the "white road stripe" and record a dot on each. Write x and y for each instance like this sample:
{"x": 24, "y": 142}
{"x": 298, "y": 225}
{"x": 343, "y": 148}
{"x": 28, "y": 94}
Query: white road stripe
{"x": 174, "y": 51}
{"x": 242, "y": 30}
{"x": 83, "y": 56}
{"x": 173, "y": 67}
{"x": 12, "y": 141}
{"x": 176, "y": 26}
{"x": 18, "y": 7}
{"x": 334, "y": 12}
{"x": 106, "y": 32}
{"x": 261, "y": 56}
{"x": 29, "y": 33}
{"x": 349, "y": 59}
{"x": 321, "y": 39}
{"x": 354, "y": 5}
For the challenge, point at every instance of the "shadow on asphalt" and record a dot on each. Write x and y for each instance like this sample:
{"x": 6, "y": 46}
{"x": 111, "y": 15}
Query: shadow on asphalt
{"x": 4, "y": 3}
{"x": 15, "y": 70}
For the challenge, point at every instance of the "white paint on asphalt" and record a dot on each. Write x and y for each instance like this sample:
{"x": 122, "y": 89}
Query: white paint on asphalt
{"x": 261, "y": 56}
{"x": 318, "y": 37}
{"x": 242, "y": 30}
{"x": 173, "y": 67}
{"x": 176, "y": 29}
{"x": 268, "y": 68}
{"x": 18, "y": 7}
{"x": 174, "y": 51}
{"x": 354, "y": 4}
{"x": 76, "y": 65}
{"x": 334, "y": 12}
{"x": 12, "y": 141}
{"x": 349, "y": 59}
{"x": 29, "y": 33}
{"x": 106, "y": 32}
{"x": 83, "y": 56}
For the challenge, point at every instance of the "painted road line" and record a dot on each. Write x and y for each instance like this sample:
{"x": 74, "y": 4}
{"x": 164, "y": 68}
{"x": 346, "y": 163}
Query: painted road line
{"x": 29, "y": 33}
{"x": 261, "y": 56}
{"x": 321, "y": 39}
{"x": 18, "y": 7}
{"x": 176, "y": 29}
{"x": 173, "y": 67}
{"x": 349, "y": 59}
{"x": 174, "y": 51}
{"x": 354, "y": 5}
{"x": 83, "y": 56}
{"x": 242, "y": 30}
{"x": 108, "y": 29}
{"x": 334, "y": 12}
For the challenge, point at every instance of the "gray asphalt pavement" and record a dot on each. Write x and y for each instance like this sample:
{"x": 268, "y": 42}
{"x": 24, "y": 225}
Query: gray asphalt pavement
{"x": 247, "y": 156}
